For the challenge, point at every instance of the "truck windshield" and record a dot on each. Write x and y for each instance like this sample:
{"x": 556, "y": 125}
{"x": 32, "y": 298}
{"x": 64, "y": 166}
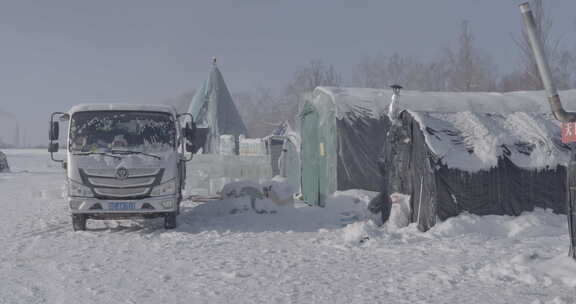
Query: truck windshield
{"x": 104, "y": 131}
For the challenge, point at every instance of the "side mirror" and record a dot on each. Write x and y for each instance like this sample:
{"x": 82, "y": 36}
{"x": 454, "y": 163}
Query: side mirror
{"x": 54, "y": 131}
{"x": 189, "y": 131}
{"x": 53, "y": 147}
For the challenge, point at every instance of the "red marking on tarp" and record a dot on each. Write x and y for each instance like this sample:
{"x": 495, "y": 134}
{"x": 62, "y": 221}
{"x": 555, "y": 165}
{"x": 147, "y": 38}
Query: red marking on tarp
{"x": 568, "y": 132}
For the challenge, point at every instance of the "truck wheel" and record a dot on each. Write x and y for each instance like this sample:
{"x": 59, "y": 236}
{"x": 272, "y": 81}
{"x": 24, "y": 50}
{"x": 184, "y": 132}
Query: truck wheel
{"x": 79, "y": 222}
{"x": 170, "y": 220}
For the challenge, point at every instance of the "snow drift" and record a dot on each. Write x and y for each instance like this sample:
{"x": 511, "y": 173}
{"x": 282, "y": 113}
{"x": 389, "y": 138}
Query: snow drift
{"x": 301, "y": 254}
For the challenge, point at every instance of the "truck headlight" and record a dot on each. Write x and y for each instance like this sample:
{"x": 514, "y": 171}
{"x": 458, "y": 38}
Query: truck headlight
{"x": 77, "y": 189}
{"x": 167, "y": 188}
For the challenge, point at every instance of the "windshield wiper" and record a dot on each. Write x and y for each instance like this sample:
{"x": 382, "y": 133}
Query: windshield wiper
{"x": 134, "y": 152}
{"x": 97, "y": 153}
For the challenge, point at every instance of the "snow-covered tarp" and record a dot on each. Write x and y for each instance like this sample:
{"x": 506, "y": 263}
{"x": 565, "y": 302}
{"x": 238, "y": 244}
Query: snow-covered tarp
{"x": 474, "y": 141}
{"x": 344, "y": 129}
{"x": 479, "y": 163}
{"x": 374, "y": 102}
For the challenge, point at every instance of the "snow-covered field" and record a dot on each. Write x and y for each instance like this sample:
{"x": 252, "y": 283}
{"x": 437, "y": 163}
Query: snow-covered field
{"x": 297, "y": 255}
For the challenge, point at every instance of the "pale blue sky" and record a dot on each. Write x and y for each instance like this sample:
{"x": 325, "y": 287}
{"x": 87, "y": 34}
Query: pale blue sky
{"x": 54, "y": 54}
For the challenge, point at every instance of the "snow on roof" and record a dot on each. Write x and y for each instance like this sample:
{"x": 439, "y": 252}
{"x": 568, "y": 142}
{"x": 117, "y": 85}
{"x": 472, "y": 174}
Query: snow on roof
{"x": 374, "y": 102}
{"x": 474, "y": 141}
{"x": 121, "y": 107}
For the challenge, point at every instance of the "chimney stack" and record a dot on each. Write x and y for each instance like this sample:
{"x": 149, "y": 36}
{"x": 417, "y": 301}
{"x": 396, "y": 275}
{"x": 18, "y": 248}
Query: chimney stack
{"x": 394, "y": 107}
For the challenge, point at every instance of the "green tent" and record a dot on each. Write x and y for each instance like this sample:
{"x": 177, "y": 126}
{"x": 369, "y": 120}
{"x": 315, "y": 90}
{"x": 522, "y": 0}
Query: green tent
{"x": 212, "y": 107}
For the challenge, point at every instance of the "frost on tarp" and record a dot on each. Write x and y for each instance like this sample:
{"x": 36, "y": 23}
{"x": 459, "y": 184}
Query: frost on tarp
{"x": 212, "y": 107}
{"x": 475, "y": 162}
{"x": 374, "y": 102}
{"x": 4, "y": 163}
{"x": 475, "y": 141}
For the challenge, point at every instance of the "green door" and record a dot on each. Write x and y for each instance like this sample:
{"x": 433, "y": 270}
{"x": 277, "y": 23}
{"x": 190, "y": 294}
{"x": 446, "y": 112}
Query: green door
{"x": 310, "y": 155}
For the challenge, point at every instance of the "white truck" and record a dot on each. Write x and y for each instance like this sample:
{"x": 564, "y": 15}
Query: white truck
{"x": 124, "y": 161}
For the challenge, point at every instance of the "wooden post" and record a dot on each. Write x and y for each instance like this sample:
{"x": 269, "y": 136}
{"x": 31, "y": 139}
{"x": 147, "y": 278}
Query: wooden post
{"x": 571, "y": 199}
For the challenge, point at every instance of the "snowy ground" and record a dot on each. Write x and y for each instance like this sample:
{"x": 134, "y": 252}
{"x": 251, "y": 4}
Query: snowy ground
{"x": 298, "y": 255}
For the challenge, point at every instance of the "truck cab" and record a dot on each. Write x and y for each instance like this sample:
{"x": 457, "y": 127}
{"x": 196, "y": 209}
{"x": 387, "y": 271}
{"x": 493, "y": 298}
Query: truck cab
{"x": 124, "y": 161}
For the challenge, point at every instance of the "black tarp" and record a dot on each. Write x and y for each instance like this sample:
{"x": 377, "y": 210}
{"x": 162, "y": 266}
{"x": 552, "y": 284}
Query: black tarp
{"x": 409, "y": 166}
{"x": 360, "y": 140}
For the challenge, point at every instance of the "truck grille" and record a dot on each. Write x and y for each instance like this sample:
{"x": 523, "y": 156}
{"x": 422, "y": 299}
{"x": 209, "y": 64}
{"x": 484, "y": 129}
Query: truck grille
{"x": 116, "y": 183}
{"x": 105, "y": 184}
{"x": 111, "y": 173}
{"x": 121, "y": 193}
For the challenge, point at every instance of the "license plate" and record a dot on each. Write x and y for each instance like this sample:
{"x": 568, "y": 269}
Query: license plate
{"x": 122, "y": 206}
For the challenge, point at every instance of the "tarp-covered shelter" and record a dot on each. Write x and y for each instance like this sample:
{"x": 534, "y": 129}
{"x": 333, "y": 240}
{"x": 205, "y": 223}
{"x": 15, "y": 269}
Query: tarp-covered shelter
{"x": 343, "y": 130}
{"x": 341, "y": 138}
{"x": 212, "y": 107}
{"x": 475, "y": 162}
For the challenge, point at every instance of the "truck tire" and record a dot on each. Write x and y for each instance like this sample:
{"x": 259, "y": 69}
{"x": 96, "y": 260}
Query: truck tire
{"x": 170, "y": 220}
{"x": 79, "y": 222}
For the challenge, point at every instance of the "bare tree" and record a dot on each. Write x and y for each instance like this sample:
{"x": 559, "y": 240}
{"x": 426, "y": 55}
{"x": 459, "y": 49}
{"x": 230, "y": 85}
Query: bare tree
{"x": 181, "y": 102}
{"x": 526, "y": 76}
{"x": 316, "y": 73}
{"x": 381, "y": 71}
{"x": 465, "y": 68}
{"x": 306, "y": 79}
{"x": 469, "y": 69}
{"x": 263, "y": 110}
{"x": 430, "y": 76}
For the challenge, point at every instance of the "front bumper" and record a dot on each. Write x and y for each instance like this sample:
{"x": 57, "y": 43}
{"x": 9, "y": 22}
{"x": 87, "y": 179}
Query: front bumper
{"x": 128, "y": 208}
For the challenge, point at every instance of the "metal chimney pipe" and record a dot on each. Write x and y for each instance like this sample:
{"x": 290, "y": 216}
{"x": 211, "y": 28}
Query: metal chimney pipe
{"x": 394, "y": 106}
{"x": 543, "y": 67}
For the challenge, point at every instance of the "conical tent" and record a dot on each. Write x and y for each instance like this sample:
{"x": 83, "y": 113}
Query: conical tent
{"x": 212, "y": 107}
